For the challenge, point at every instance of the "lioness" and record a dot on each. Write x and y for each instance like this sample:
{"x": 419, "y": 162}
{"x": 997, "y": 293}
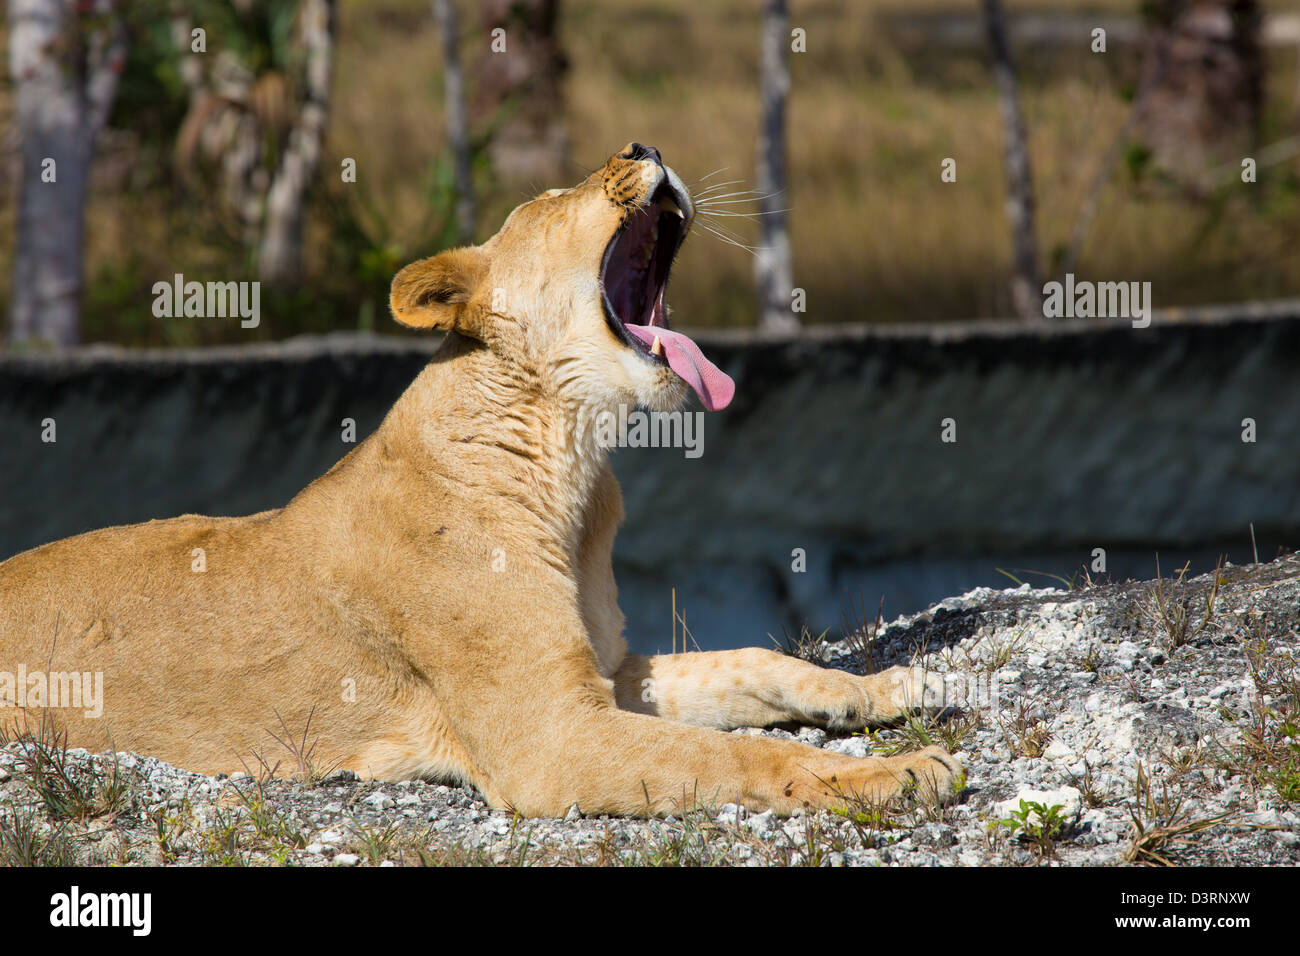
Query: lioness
{"x": 441, "y": 603}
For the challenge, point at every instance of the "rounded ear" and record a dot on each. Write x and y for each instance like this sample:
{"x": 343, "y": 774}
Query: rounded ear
{"x": 431, "y": 293}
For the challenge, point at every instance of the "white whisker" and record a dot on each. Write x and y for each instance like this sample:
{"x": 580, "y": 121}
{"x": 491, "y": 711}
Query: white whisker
{"x": 707, "y": 175}
{"x": 716, "y": 186}
{"x": 730, "y": 240}
{"x": 741, "y": 215}
{"x": 748, "y": 195}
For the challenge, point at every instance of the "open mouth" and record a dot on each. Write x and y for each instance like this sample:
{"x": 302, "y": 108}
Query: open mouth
{"x": 635, "y": 270}
{"x": 633, "y": 277}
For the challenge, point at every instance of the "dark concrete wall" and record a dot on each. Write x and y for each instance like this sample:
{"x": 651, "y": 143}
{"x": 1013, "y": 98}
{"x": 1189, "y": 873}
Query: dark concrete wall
{"x": 1069, "y": 437}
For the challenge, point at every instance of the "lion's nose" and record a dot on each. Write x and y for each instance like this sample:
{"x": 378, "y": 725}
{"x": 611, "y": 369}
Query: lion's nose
{"x": 635, "y": 151}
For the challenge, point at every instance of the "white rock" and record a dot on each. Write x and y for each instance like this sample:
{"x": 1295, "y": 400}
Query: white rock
{"x": 852, "y": 746}
{"x": 1268, "y": 818}
{"x": 760, "y": 823}
{"x": 729, "y": 814}
{"x": 1058, "y": 750}
{"x": 1068, "y": 798}
{"x": 346, "y": 859}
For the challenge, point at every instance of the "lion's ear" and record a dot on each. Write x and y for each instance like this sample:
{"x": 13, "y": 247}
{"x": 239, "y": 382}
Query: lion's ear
{"x": 431, "y": 293}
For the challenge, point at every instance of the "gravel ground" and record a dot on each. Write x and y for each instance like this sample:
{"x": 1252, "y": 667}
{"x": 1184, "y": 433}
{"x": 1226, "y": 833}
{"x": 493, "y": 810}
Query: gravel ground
{"x": 1158, "y": 732}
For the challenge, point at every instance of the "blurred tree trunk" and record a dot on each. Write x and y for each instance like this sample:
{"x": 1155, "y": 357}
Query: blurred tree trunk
{"x": 1204, "y": 65}
{"x": 1026, "y": 284}
{"x": 773, "y": 272}
{"x": 65, "y": 58}
{"x": 444, "y": 12}
{"x": 520, "y": 89}
{"x": 280, "y": 255}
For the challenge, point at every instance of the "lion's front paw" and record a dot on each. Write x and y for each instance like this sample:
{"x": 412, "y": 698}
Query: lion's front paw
{"x": 902, "y": 690}
{"x": 932, "y": 774}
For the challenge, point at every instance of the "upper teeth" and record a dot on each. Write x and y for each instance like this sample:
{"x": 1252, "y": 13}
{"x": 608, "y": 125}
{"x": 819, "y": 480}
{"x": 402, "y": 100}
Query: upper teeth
{"x": 657, "y": 348}
{"x": 669, "y": 204}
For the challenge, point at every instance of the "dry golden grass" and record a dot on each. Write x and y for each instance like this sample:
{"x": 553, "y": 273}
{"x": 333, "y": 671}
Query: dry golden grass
{"x": 877, "y": 236}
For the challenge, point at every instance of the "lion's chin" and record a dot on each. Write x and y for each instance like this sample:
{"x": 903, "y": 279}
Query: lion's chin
{"x": 654, "y": 386}
{"x": 667, "y": 397}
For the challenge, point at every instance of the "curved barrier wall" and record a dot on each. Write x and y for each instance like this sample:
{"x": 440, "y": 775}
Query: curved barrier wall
{"x": 1068, "y": 437}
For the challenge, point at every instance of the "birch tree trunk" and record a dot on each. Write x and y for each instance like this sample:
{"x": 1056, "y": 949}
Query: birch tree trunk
{"x": 444, "y": 12}
{"x": 773, "y": 272}
{"x": 65, "y": 58}
{"x": 1026, "y": 283}
{"x": 1203, "y": 66}
{"x": 519, "y": 90}
{"x": 280, "y": 256}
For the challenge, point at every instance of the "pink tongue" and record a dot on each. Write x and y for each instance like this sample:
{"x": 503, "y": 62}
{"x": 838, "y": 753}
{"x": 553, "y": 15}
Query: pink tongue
{"x": 714, "y": 386}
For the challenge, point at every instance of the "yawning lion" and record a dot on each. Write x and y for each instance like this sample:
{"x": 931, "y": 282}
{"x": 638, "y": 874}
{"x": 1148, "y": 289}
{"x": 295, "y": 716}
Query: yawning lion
{"x": 441, "y": 603}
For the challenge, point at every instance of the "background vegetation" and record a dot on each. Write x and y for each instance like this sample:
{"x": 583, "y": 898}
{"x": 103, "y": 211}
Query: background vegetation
{"x": 877, "y": 237}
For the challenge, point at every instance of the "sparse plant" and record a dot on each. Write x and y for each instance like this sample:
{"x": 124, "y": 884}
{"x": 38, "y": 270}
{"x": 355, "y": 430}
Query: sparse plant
{"x": 991, "y": 651}
{"x": 223, "y": 843}
{"x": 170, "y": 828}
{"x": 1269, "y": 751}
{"x": 1091, "y": 660}
{"x": 1071, "y": 583}
{"x": 26, "y": 840}
{"x": 253, "y": 825}
{"x": 676, "y": 843}
{"x": 805, "y": 645}
{"x": 1162, "y": 822}
{"x": 375, "y": 844}
{"x": 68, "y": 791}
{"x": 458, "y": 854}
{"x": 270, "y": 824}
{"x": 1134, "y": 683}
{"x": 1170, "y": 607}
{"x": 1182, "y": 762}
{"x": 817, "y": 843}
{"x": 956, "y": 729}
{"x": 303, "y": 751}
{"x": 1025, "y": 732}
{"x": 916, "y": 730}
{"x": 1038, "y": 824}
{"x": 860, "y": 633}
{"x": 1087, "y": 786}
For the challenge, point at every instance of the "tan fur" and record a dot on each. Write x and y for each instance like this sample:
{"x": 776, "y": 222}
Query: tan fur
{"x": 455, "y": 570}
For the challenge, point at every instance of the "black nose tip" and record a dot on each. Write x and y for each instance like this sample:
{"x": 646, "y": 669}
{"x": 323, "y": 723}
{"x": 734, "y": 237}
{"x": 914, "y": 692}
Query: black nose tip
{"x": 636, "y": 151}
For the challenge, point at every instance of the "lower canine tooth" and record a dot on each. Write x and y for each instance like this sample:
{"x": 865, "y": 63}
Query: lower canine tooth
{"x": 657, "y": 348}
